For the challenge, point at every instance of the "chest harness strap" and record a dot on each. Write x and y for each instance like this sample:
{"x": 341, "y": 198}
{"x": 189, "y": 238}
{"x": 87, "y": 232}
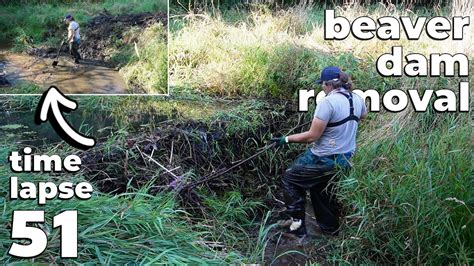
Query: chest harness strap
{"x": 351, "y": 113}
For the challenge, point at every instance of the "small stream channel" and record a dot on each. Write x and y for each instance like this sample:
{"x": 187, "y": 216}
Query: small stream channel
{"x": 89, "y": 77}
{"x": 19, "y": 127}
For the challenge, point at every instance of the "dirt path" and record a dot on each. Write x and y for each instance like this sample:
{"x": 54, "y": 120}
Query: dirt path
{"x": 86, "y": 78}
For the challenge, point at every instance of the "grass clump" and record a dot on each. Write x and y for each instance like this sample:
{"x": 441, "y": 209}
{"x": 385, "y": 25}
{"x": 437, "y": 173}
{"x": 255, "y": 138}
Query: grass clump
{"x": 267, "y": 53}
{"x": 147, "y": 70}
{"x": 409, "y": 199}
{"x": 22, "y": 88}
{"x": 128, "y": 228}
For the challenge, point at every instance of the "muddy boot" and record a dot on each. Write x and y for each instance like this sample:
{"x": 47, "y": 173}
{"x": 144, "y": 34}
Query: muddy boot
{"x": 328, "y": 230}
{"x": 296, "y": 228}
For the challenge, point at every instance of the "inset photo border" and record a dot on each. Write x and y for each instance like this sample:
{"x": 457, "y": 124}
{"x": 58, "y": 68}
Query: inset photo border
{"x": 108, "y": 48}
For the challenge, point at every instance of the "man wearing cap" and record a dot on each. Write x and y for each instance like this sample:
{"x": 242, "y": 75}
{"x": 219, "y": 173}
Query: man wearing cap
{"x": 73, "y": 37}
{"x": 332, "y": 135}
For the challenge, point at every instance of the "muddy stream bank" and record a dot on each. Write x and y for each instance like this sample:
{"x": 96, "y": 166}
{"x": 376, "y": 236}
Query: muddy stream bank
{"x": 86, "y": 78}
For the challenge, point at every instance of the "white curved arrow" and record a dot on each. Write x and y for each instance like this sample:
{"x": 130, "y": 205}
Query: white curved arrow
{"x": 51, "y": 100}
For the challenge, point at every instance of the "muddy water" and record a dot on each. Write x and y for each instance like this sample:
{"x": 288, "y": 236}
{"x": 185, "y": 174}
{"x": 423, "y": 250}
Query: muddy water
{"x": 86, "y": 78}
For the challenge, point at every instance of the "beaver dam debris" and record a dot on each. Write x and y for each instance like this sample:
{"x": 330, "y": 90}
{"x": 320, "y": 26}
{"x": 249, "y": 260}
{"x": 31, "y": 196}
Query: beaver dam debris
{"x": 193, "y": 154}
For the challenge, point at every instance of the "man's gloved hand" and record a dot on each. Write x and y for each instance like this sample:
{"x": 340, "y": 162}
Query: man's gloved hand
{"x": 279, "y": 141}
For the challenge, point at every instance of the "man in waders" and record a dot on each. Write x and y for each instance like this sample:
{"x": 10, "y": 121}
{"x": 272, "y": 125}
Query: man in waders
{"x": 333, "y": 137}
{"x": 73, "y": 37}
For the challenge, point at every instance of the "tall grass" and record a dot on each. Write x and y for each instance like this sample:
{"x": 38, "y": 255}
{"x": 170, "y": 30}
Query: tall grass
{"x": 274, "y": 53}
{"x": 147, "y": 70}
{"x": 134, "y": 227}
{"x": 409, "y": 198}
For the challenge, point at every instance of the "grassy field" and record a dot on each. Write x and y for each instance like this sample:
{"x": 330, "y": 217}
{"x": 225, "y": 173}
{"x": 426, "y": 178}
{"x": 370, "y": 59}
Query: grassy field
{"x": 261, "y": 53}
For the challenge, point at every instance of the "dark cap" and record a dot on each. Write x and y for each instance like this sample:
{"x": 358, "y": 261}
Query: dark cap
{"x": 68, "y": 17}
{"x": 329, "y": 73}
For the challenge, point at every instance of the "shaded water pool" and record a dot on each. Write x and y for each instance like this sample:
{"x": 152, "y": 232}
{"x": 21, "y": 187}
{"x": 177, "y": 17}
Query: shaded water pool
{"x": 19, "y": 127}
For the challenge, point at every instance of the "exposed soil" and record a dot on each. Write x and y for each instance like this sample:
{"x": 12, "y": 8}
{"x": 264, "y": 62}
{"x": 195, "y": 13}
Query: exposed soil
{"x": 102, "y": 32}
{"x": 86, "y": 78}
{"x": 104, "y": 29}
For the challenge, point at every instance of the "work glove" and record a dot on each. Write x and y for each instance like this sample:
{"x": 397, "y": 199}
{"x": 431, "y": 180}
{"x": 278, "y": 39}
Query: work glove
{"x": 279, "y": 141}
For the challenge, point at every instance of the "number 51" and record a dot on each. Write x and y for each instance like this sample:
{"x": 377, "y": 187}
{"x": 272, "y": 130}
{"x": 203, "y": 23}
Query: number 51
{"x": 67, "y": 221}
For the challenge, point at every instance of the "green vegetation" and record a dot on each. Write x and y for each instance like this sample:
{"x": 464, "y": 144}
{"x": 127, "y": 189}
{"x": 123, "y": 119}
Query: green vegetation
{"x": 147, "y": 69}
{"x": 259, "y": 52}
{"x": 113, "y": 226}
{"x": 131, "y": 227}
{"x": 22, "y": 88}
{"x": 404, "y": 198}
{"x": 410, "y": 199}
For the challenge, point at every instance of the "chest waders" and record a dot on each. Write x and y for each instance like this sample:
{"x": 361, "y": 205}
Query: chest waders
{"x": 313, "y": 173}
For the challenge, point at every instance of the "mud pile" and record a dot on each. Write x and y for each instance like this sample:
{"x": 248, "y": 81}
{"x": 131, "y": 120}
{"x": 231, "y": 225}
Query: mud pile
{"x": 101, "y": 33}
{"x": 103, "y": 30}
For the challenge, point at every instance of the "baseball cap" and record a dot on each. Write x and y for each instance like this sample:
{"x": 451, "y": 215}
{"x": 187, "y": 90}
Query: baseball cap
{"x": 329, "y": 73}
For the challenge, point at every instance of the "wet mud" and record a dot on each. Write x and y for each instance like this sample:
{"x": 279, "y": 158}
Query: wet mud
{"x": 70, "y": 78}
{"x": 283, "y": 250}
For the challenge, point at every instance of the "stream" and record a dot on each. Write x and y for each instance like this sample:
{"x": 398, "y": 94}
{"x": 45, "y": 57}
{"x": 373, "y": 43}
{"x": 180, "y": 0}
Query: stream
{"x": 86, "y": 78}
{"x": 20, "y": 127}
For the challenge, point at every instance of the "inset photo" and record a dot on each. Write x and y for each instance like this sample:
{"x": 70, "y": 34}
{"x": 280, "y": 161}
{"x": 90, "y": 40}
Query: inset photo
{"x": 108, "y": 47}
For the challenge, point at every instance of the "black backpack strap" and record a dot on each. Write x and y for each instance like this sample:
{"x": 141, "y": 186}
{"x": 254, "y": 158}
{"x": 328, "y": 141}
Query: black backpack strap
{"x": 351, "y": 116}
